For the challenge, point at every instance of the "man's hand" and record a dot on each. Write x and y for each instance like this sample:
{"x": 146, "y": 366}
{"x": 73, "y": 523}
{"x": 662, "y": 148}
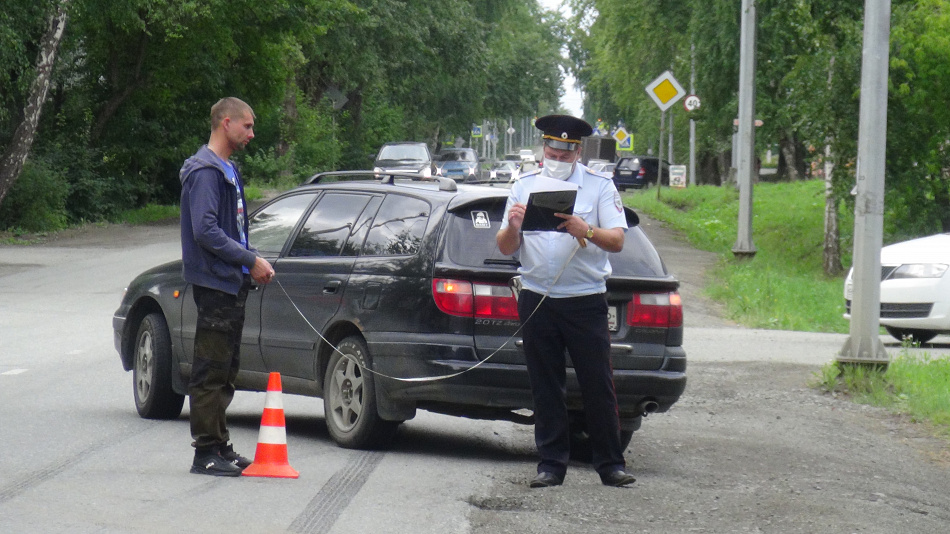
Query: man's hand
{"x": 509, "y": 239}
{"x": 575, "y": 226}
{"x": 516, "y": 216}
{"x": 262, "y": 272}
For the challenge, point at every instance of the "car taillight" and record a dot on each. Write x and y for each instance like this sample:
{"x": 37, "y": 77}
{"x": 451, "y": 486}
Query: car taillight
{"x": 642, "y": 173}
{"x": 655, "y": 309}
{"x": 461, "y": 297}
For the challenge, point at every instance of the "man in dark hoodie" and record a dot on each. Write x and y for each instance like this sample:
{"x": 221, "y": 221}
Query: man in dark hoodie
{"x": 220, "y": 264}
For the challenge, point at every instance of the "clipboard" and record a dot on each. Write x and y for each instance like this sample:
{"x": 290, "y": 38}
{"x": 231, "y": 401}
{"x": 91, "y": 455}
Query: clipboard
{"x": 541, "y": 207}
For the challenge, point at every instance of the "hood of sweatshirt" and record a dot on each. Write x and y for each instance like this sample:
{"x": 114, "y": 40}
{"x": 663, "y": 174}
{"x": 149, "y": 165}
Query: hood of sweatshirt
{"x": 202, "y": 159}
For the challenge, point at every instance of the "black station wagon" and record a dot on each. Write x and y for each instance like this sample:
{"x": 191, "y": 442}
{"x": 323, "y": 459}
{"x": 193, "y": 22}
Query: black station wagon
{"x": 402, "y": 276}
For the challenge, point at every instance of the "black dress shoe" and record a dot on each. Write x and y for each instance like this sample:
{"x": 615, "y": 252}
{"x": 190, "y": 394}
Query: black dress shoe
{"x": 617, "y": 478}
{"x": 545, "y": 480}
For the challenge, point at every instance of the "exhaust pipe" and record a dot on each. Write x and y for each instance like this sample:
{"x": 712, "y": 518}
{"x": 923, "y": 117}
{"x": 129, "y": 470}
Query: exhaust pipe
{"x": 647, "y": 407}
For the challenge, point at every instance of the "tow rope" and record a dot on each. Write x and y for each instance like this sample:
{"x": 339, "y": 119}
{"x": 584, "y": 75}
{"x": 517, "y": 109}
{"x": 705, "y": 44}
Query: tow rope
{"x": 438, "y": 377}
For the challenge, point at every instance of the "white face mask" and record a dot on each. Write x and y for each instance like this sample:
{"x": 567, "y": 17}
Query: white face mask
{"x": 560, "y": 170}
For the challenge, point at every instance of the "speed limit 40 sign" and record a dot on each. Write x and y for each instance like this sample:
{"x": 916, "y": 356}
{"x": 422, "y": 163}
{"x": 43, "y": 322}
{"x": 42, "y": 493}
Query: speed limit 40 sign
{"x": 691, "y": 103}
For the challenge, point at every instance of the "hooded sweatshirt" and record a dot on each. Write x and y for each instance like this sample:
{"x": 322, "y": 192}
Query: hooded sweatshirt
{"x": 211, "y": 250}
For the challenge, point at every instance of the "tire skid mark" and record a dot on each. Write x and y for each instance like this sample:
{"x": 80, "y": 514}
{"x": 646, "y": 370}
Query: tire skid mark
{"x": 34, "y": 478}
{"x": 325, "y": 508}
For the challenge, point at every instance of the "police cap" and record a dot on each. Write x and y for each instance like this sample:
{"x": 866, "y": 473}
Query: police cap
{"x": 563, "y": 132}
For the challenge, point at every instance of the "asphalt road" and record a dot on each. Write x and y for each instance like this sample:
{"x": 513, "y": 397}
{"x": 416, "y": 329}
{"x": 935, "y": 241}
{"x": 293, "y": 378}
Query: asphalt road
{"x": 749, "y": 448}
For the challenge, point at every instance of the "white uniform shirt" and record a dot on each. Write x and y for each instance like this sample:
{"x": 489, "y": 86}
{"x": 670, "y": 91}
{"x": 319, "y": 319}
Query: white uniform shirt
{"x": 543, "y": 254}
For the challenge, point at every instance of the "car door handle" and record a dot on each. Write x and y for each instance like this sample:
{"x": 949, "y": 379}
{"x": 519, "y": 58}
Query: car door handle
{"x": 331, "y": 287}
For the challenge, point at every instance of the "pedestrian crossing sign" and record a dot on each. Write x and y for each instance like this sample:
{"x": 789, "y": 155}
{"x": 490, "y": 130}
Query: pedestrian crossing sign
{"x": 624, "y": 139}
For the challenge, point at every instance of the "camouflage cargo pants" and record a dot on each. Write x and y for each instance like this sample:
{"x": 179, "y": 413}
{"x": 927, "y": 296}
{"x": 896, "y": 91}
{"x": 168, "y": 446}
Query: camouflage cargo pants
{"x": 216, "y": 363}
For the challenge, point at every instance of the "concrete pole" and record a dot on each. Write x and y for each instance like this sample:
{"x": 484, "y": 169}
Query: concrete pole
{"x": 670, "y": 144}
{"x": 864, "y": 342}
{"x": 744, "y": 249}
{"x": 692, "y": 123}
{"x": 659, "y": 166}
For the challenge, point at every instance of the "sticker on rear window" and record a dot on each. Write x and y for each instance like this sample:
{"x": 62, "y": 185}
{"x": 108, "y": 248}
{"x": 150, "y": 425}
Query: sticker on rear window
{"x": 480, "y": 219}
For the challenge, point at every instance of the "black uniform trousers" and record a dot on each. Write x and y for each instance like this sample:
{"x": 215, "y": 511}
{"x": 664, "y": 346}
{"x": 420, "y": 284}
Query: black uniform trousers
{"x": 578, "y": 324}
{"x": 216, "y": 363}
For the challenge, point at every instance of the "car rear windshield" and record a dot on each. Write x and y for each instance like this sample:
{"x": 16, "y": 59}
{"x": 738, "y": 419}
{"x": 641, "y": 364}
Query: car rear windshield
{"x": 470, "y": 238}
{"x": 470, "y": 242}
{"x": 638, "y": 258}
{"x": 629, "y": 164}
{"x": 457, "y": 155}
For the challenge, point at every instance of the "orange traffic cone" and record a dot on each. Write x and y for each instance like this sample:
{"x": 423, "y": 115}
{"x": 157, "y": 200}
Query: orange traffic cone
{"x": 270, "y": 459}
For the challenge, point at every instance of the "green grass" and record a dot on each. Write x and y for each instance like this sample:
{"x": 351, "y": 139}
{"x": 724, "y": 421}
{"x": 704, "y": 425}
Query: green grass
{"x": 913, "y": 385}
{"x": 783, "y": 286}
{"x": 148, "y": 214}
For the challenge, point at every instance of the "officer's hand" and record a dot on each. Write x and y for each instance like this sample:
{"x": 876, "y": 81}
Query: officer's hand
{"x": 573, "y": 224}
{"x": 516, "y": 216}
{"x": 262, "y": 272}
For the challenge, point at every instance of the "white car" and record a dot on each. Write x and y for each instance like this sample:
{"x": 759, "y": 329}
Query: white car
{"x": 915, "y": 289}
{"x": 527, "y": 155}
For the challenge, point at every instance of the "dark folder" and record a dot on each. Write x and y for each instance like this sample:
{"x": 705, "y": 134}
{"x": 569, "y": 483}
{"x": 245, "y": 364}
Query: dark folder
{"x": 541, "y": 207}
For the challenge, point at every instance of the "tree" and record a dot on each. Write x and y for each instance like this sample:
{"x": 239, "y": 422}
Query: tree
{"x": 19, "y": 149}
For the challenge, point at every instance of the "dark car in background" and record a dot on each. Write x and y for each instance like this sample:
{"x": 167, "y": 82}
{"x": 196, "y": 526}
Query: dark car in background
{"x": 459, "y": 164}
{"x": 639, "y": 172}
{"x": 382, "y": 280}
{"x": 404, "y": 156}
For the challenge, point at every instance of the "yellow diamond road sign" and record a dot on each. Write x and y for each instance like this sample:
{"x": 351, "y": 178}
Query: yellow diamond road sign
{"x": 665, "y": 90}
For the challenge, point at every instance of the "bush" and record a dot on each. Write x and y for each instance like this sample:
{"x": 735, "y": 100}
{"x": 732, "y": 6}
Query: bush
{"x": 37, "y": 200}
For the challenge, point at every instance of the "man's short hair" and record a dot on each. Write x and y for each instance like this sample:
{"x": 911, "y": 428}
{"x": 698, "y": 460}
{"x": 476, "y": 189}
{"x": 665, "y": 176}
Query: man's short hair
{"x": 229, "y": 107}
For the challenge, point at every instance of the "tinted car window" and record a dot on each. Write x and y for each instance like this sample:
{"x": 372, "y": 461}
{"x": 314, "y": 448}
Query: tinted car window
{"x": 469, "y": 242}
{"x": 398, "y": 227}
{"x": 629, "y": 164}
{"x": 353, "y": 244}
{"x": 329, "y": 225}
{"x": 271, "y": 226}
{"x": 638, "y": 258}
{"x": 458, "y": 155}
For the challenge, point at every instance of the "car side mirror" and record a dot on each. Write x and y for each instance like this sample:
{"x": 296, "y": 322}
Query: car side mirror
{"x": 632, "y": 218}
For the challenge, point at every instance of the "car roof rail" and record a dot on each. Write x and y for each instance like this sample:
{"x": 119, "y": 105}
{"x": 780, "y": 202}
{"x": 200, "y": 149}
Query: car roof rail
{"x": 445, "y": 184}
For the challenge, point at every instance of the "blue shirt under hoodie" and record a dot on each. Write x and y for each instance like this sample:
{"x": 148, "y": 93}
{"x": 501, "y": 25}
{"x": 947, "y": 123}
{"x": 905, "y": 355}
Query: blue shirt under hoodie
{"x": 211, "y": 250}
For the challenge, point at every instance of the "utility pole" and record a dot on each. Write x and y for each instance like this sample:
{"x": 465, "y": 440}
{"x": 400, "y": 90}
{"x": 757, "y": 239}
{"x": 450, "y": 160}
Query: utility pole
{"x": 659, "y": 163}
{"x": 744, "y": 249}
{"x": 670, "y": 144}
{"x": 864, "y": 342}
{"x": 692, "y": 122}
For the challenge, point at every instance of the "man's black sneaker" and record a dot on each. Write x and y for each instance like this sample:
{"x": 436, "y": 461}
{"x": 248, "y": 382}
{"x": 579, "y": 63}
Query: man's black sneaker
{"x": 212, "y": 463}
{"x": 227, "y": 452}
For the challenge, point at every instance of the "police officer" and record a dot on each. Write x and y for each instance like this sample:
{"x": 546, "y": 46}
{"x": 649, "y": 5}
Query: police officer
{"x": 572, "y": 311}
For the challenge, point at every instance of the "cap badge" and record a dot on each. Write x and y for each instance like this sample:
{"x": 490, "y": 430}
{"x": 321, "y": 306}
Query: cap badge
{"x": 564, "y": 135}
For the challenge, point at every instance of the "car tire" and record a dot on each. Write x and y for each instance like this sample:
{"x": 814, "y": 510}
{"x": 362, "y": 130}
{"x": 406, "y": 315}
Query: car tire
{"x": 152, "y": 370}
{"x": 915, "y": 336}
{"x": 349, "y": 400}
{"x": 581, "y": 450}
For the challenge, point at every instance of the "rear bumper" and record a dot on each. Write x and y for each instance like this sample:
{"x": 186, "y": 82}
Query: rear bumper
{"x": 456, "y": 379}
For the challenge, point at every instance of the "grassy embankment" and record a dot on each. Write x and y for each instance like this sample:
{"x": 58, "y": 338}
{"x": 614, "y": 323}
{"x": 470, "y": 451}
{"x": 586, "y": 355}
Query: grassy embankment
{"x": 784, "y": 285}
{"x": 151, "y": 213}
{"x": 155, "y": 212}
